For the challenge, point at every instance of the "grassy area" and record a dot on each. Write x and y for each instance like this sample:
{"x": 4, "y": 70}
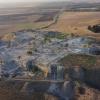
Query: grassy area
{"x": 57, "y": 36}
{"x": 79, "y": 60}
{"x": 26, "y": 25}
{"x": 61, "y": 36}
{"x": 29, "y": 26}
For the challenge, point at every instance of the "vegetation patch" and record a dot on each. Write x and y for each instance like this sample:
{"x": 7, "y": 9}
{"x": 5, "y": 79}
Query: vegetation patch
{"x": 47, "y": 16}
{"x": 56, "y": 35}
{"x": 85, "y": 61}
{"x": 94, "y": 28}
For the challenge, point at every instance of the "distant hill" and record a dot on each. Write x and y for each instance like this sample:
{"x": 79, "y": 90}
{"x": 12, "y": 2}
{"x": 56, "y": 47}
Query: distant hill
{"x": 87, "y": 1}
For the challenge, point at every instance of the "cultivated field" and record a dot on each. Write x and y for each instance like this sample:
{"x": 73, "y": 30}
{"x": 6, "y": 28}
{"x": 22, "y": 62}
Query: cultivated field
{"x": 77, "y": 22}
{"x": 68, "y": 22}
{"x": 28, "y": 18}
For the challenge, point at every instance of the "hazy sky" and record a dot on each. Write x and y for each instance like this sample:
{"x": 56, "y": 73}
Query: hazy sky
{"x": 6, "y": 1}
{"x": 9, "y": 1}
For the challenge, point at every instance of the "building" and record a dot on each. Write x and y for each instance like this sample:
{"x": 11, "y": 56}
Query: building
{"x": 60, "y": 72}
{"x": 53, "y": 72}
{"x": 31, "y": 67}
{"x": 1, "y": 64}
{"x": 57, "y": 72}
{"x": 94, "y": 50}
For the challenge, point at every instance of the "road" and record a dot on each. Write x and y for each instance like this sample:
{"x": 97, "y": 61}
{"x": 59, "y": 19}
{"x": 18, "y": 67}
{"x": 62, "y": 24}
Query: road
{"x": 54, "y": 21}
{"x": 40, "y": 81}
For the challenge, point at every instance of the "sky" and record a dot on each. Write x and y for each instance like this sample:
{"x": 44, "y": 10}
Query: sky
{"x": 9, "y": 1}
{"x": 6, "y": 1}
